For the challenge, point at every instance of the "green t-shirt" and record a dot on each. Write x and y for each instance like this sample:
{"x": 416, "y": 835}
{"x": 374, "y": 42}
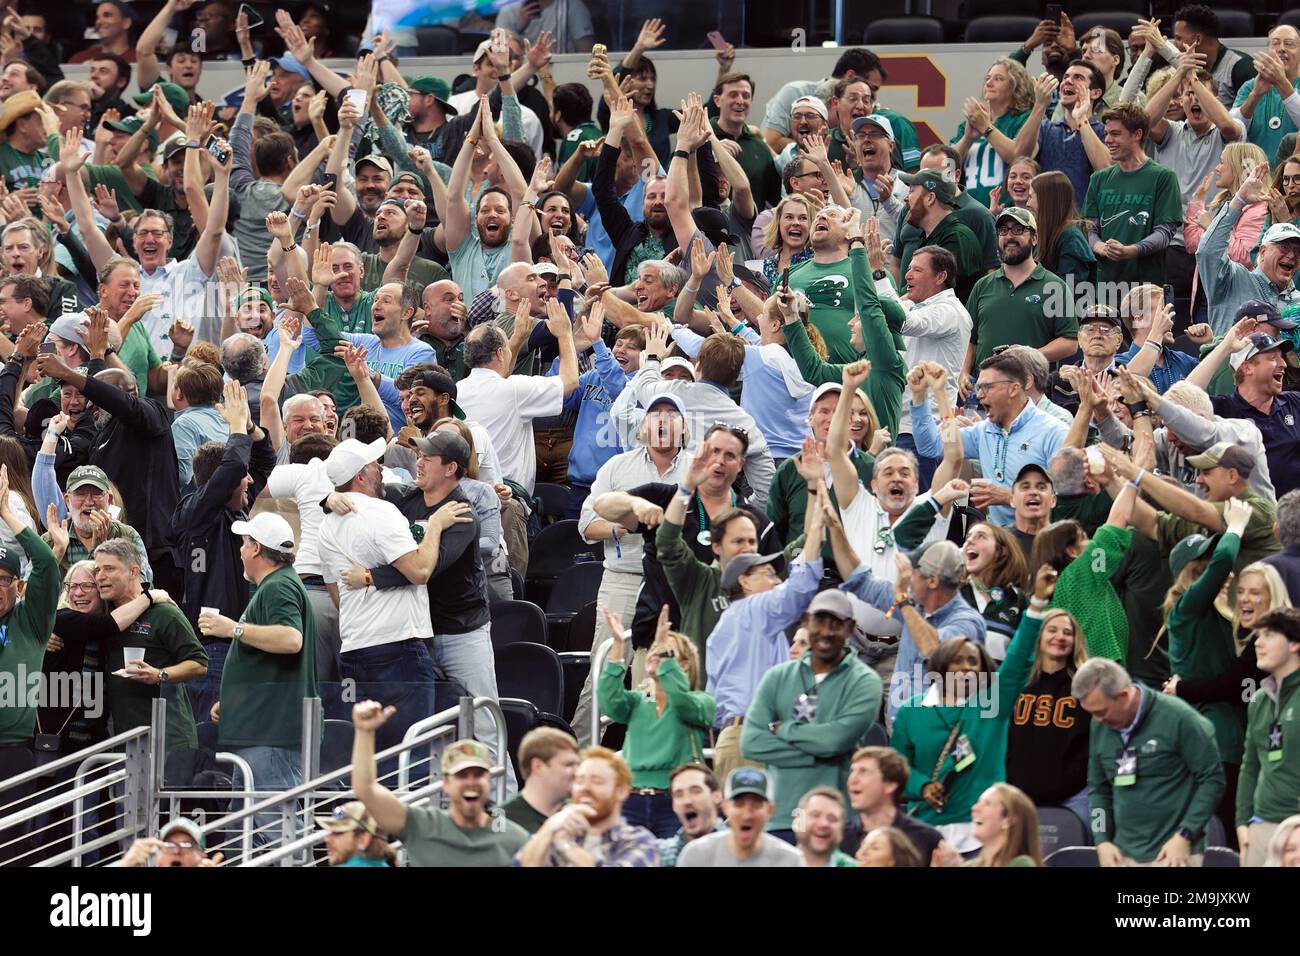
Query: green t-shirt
{"x": 21, "y": 170}
{"x": 829, "y": 289}
{"x": 1033, "y": 313}
{"x": 111, "y": 176}
{"x": 569, "y": 145}
{"x": 648, "y": 249}
{"x": 1128, "y": 207}
{"x": 423, "y": 272}
{"x": 168, "y": 640}
{"x": 1270, "y": 122}
{"x": 262, "y": 692}
{"x": 355, "y": 319}
{"x": 524, "y": 813}
{"x": 475, "y": 265}
{"x": 137, "y": 353}
{"x": 984, "y": 167}
{"x": 432, "y": 839}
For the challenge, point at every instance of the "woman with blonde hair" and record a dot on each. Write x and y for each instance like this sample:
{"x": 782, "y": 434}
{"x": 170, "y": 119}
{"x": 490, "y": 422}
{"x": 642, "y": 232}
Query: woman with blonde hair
{"x": 1015, "y": 191}
{"x": 1238, "y": 163}
{"x": 667, "y": 719}
{"x": 1284, "y": 848}
{"x": 1007, "y": 96}
{"x": 1005, "y": 821}
{"x": 888, "y": 846}
{"x": 790, "y": 233}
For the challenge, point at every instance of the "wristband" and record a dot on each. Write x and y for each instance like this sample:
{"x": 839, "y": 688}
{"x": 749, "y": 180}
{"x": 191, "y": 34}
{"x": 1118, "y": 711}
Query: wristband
{"x": 859, "y": 240}
{"x": 413, "y": 231}
{"x": 1144, "y": 413}
{"x": 370, "y": 580}
{"x": 1155, "y": 345}
{"x": 249, "y": 62}
{"x": 299, "y": 215}
{"x": 564, "y": 277}
{"x": 683, "y": 490}
{"x": 681, "y": 154}
{"x": 739, "y": 326}
{"x": 987, "y": 131}
{"x": 1241, "y": 199}
{"x": 1038, "y": 604}
{"x": 289, "y": 248}
{"x": 1137, "y": 407}
{"x": 1137, "y": 479}
{"x": 692, "y": 291}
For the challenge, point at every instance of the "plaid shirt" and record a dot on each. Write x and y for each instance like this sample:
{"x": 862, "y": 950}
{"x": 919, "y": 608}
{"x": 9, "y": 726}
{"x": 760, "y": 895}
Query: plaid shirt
{"x": 620, "y": 845}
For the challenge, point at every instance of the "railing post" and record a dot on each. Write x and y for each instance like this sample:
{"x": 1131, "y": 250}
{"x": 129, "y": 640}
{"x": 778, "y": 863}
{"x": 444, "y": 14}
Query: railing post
{"x": 465, "y": 722}
{"x": 311, "y": 737}
{"x": 597, "y": 666}
{"x": 156, "y": 759}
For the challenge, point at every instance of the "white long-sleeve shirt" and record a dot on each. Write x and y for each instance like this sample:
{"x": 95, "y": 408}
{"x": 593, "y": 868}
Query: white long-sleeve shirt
{"x": 936, "y": 330}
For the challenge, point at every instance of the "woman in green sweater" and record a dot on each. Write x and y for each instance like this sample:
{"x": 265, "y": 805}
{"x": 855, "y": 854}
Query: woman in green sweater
{"x": 667, "y": 719}
{"x": 955, "y": 734}
{"x": 1201, "y": 643}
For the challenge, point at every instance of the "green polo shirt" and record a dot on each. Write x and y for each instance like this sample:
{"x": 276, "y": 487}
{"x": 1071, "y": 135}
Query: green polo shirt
{"x": 1033, "y": 313}
{"x": 355, "y": 319}
{"x": 757, "y": 161}
{"x": 970, "y": 214}
{"x": 1128, "y": 207}
{"x": 167, "y": 639}
{"x": 450, "y": 357}
{"x": 957, "y": 238}
{"x": 422, "y": 272}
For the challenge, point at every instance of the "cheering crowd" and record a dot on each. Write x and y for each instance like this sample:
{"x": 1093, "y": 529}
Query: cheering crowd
{"x": 937, "y": 484}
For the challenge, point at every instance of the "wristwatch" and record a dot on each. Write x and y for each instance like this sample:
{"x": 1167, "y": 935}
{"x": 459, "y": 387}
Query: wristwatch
{"x": 162, "y": 677}
{"x": 1188, "y": 835}
{"x": 415, "y": 232}
{"x": 238, "y": 634}
{"x": 879, "y": 274}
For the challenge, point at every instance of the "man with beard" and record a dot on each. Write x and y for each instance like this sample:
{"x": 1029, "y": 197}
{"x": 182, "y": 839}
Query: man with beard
{"x": 741, "y": 841}
{"x": 84, "y": 507}
{"x": 228, "y": 477}
{"x": 1072, "y": 144}
{"x": 134, "y": 448}
{"x": 466, "y": 836}
{"x": 445, "y": 325}
{"x": 806, "y": 739}
{"x": 931, "y": 201}
{"x": 1014, "y": 434}
{"x": 548, "y": 761}
{"x": 821, "y": 811}
{"x": 591, "y": 831}
{"x": 428, "y": 395}
{"x": 23, "y": 157}
{"x": 430, "y": 110}
{"x": 826, "y": 282}
{"x": 879, "y": 194}
{"x": 807, "y": 120}
{"x": 970, "y": 212}
{"x": 1021, "y": 303}
{"x": 352, "y": 837}
{"x": 397, "y": 228}
{"x": 630, "y": 242}
{"x": 1259, "y": 363}
{"x": 697, "y": 802}
{"x": 1227, "y": 283}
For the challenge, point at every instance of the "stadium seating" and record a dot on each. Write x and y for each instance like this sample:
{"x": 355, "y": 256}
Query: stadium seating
{"x": 516, "y": 622}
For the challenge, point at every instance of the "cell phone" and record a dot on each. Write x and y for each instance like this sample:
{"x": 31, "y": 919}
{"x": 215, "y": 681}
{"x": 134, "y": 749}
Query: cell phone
{"x": 1169, "y": 295}
{"x": 785, "y": 280}
{"x": 357, "y": 98}
{"x": 332, "y": 182}
{"x": 717, "y": 39}
{"x": 1053, "y": 13}
{"x": 46, "y": 348}
{"x": 254, "y": 18}
{"x": 219, "y": 153}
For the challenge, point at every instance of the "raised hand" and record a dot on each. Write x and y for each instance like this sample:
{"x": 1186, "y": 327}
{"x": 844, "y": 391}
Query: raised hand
{"x": 277, "y": 224}
{"x": 369, "y": 715}
{"x": 322, "y": 267}
{"x": 855, "y": 374}
{"x": 300, "y": 297}
{"x": 651, "y": 36}
{"x": 701, "y": 262}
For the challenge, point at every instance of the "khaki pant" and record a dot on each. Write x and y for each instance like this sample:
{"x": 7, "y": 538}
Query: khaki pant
{"x": 1196, "y": 859}
{"x": 726, "y": 753}
{"x": 618, "y": 592}
{"x": 552, "y": 447}
{"x": 1259, "y": 835}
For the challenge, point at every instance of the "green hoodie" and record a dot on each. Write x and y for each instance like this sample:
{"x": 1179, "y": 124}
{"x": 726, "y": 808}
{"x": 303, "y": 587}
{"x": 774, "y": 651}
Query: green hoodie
{"x": 922, "y": 731}
{"x": 696, "y": 585}
{"x": 1201, "y": 645}
{"x": 802, "y": 755}
{"x": 657, "y": 743}
{"x": 1179, "y": 778}
{"x": 1268, "y": 788}
{"x": 26, "y": 629}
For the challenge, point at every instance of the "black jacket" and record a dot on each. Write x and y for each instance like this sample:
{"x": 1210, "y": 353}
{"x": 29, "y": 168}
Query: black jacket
{"x": 73, "y": 447}
{"x": 136, "y": 451}
{"x": 625, "y": 234}
{"x": 207, "y": 550}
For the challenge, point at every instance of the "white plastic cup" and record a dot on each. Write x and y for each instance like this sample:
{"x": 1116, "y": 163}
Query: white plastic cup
{"x": 132, "y": 654}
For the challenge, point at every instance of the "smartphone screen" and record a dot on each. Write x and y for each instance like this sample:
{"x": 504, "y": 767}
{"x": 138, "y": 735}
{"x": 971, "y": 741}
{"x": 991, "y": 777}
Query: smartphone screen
{"x": 45, "y": 348}
{"x": 785, "y": 279}
{"x": 1053, "y": 12}
{"x": 332, "y": 182}
{"x": 219, "y": 152}
{"x": 717, "y": 39}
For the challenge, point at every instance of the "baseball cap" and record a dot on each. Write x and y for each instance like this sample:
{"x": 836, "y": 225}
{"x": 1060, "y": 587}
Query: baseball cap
{"x": 438, "y": 87}
{"x": 1224, "y": 454}
{"x": 441, "y": 384}
{"x": 126, "y": 125}
{"x": 1034, "y": 466}
{"x": 942, "y": 559}
{"x": 410, "y": 177}
{"x": 1256, "y": 344}
{"x": 176, "y": 97}
{"x": 677, "y": 361}
{"x": 1189, "y": 549}
{"x": 267, "y": 529}
{"x": 833, "y": 602}
{"x": 352, "y": 815}
{"x": 374, "y": 159}
{"x": 825, "y": 388}
{"x": 172, "y": 145}
{"x": 1099, "y": 312}
{"x": 668, "y": 397}
{"x": 255, "y": 292}
{"x": 934, "y": 181}
{"x": 813, "y": 103}
{"x": 546, "y": 269}
{"x": 748, "y": 780}
{"x": 1266, "y": 312}
{"x": 481, "y": 50}
{"x": 290, "y": 63}
{"x": 69, "y": 327}
{"x": 397, "y": 201}
{"x": 448, "y": 446}
{"x": 12, "y": 558}
{"x": 91, "y": 475}
{"x": 1281, "y": 232}
{"x": 741, "y": 565}
{"x": 349, "y": 456}
{"x": 463, "y": 754}
{"x": 880, "y": 122}
{"x": 714, "y": 226}
{"x": 19, "y": 105}
{"x": 186, "y": 826}
{"x": 1020, "y": 215}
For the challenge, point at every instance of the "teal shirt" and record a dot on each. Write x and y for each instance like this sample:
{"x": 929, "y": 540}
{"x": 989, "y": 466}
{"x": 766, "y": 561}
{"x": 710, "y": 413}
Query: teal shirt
{"x": 1262, "y": 130}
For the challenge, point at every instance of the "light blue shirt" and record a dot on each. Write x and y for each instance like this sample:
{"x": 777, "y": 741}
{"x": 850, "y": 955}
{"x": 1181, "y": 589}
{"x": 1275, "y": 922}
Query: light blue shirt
{"x": 1227, "y": 283}
{"x": 192, "y": 427}
{"x": 298, "y": 361}
{"x": 1033, "y": 438}
{"x": 954, "y": 619}
{"x": 749, "y": 639}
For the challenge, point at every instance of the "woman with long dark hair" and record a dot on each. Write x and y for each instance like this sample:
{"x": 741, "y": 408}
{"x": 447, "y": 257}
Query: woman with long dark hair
{"x": 1062, "y": 246}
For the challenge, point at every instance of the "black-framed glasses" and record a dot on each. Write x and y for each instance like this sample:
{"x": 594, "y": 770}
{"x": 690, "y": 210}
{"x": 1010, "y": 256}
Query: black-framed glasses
{"x": 1012, "y": 230}
{"x": 982, "y": 387}
{"x": 1289, "y": 180}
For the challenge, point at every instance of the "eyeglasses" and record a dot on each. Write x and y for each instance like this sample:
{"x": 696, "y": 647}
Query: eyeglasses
{"x": 1291, "y": 179}
{"x": 151, "y": 233}
{"x": 185, "y": 846}
{"x": 982, "y": 387}
{"x": 1012, "y": 230}
{"x": 7, "y": 581}
{"x": 89, "y": 586}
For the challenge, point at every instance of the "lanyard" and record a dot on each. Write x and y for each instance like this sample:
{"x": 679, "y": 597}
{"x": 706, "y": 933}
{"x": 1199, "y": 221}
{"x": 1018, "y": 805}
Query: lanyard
{"x": 1000, "y": 453}
{"x": 705, "y": 536}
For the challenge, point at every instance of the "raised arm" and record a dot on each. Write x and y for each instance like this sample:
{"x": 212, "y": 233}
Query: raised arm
{"x": 456, "y": 226}
{"x": 1205, "y": 370}
{"x": 146, "y": 48}
{"x": 68, "y": 169}
{"x": 844, "y": 477}
{"x": 296, "y": 42}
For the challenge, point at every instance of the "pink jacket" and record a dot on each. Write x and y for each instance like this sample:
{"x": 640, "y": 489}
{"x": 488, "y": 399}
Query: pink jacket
{"x": 1245, "y": 234}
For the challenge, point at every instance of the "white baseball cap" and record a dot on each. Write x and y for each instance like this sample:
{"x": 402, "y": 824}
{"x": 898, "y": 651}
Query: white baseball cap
{"x": 677, "y": 361}
{"x": 812, "y": 103}
{"x": 349, "y": 457}
{"x": 267, "y": 529}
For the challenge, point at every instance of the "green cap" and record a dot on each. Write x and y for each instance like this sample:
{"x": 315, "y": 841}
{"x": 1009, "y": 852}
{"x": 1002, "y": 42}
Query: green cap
{"x": 1020, "y": 215}
{"x": 259, "y": 293}
{"x": 935, "y": 181}
{"x": 130, "y": 125}
{"x": 176, "y": 97}
{"x": 1191, "y": 548}
{"x": 87, "y": 475}
{"x": 438, "y": 87}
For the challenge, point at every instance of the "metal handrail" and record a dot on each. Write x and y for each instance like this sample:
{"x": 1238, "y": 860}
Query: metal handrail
{"x": 78, "y": 806}
{"x": 74, "y": 759}
{"x": 597, "y": 666}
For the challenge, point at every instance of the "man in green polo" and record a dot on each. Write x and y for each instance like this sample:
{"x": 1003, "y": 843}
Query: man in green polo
{"x": 734, "y": 97}
{"x": 1021, "y": 303}
{"x": 931, "y": 199}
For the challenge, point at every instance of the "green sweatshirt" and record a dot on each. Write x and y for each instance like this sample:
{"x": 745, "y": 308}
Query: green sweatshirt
{"x": 26, "y": 628}
{"x": 1179, "y": 778}
{"x": 803, "y": 755}
{"x": 921, "y": 732}
{"x": 1201, "y": 645}
{"x": 787, "y": 500}
{"x": 696, "y": 585}
{"x": 657, "y": 745}
{"x": 1267, "y": 788}
{"x": 1085, "y": 590}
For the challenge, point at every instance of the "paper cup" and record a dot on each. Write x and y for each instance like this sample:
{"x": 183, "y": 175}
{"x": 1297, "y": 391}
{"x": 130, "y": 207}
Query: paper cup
{"x": 132, "y": 654}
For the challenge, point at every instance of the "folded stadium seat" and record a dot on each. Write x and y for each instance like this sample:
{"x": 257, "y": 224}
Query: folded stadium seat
{"x": 582, "y": 630}
{"x": 1059, "y": 827}
{"x": 574, "y": 588}
{"x": 973, "y": 9}
{"x": 555, "y": 501}
{"x": 517, "y": 584}
{"x": 336, "y": 747}
{"x": 1072, "y": 856}
{"x": 559, "y": 546}
{"x": 1000, "y": 29}
{"x": 1215, "y": 834}
{"x": 1077, "y": 8}
{"x": 1221, "y": 856}
{"x": 437, "y": 40}
{"x": 576, "y": 664}
{"x": 469, "y": 42}
{"x": 877, "y": 736}
{"x": 1121, "y": 21}
{"x": 904, "y": 30}
{"x": 514, "y": 622}
{"x": 1235, "y": 23}
{"x": 1290, "y": 18}
{"x": 533, "y": 673}
{"x": 521, "y": 717}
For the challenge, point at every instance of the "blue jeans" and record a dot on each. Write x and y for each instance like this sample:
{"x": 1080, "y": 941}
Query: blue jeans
{"x": 468, "y": 658}
{"x": 577, "y": 495}
{"x": 925, "y": 466}
{"x": 654, "y": 811}
{"x": 1078, "y": 805}
{"x": 400, "y": 674}
{"x": 206, "y": 691}
{"x": 273, "y": 768}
